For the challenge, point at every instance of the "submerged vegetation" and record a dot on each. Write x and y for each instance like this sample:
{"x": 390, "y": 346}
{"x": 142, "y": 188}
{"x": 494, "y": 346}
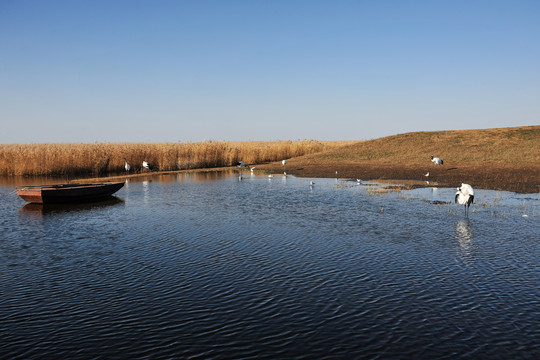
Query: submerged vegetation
{"x": 107, "y": 158}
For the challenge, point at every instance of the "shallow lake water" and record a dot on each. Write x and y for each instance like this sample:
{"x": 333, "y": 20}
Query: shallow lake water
{"x": 208, "y": 266}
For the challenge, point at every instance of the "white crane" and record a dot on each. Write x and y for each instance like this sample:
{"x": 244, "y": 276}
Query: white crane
{"x": 283, "y": 162}
{"x": 426, "y": 175}
{"x": 146, "y": 165}
{"x": 436, "y": 160}
{"x": 465, "y": 196}
{"x": 126, "y": 165}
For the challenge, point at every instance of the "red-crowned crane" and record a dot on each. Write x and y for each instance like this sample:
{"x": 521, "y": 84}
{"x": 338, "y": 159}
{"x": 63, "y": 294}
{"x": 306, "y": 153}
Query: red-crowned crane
{"x": 146, "y": 165}
{"x": 283, "y": 162}
{"x": 126, "y": 165}
{"x": 465, "y": 196}
{"x": 436, "y": 160}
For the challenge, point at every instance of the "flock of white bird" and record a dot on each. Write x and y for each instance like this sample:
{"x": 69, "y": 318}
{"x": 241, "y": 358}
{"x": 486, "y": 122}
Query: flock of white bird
{"x": 464, "y": 195}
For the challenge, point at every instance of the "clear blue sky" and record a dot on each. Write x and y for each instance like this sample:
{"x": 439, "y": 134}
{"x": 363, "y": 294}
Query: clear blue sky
{"x": 129, "y": 71}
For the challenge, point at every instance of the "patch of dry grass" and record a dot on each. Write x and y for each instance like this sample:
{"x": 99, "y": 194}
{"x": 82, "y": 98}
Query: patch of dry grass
{"x": 501, "y": 159}
{"x": 518, "y": 145}
{"x": 105, "y": 158}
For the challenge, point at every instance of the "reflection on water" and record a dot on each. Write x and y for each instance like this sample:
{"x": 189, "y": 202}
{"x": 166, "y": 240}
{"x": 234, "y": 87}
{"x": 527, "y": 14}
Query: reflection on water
{"x": 201, "y": 176}
{"x": 464, "y": 236}
{"x": 204, "y": 265}
{"x": 41, "y": 209}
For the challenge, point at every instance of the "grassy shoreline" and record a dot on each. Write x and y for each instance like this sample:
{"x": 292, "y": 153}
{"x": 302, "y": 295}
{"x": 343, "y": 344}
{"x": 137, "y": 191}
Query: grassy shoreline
{"x": 499, "y": 159}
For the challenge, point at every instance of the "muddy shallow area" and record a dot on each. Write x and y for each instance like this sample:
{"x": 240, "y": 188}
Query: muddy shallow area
{"x": 492, "y": 177}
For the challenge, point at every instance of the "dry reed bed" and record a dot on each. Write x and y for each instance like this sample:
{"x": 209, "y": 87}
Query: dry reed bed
{"x": 105, "y": 158}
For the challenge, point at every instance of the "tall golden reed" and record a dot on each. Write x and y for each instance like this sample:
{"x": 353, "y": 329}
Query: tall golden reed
{"x": 102, "y": 158}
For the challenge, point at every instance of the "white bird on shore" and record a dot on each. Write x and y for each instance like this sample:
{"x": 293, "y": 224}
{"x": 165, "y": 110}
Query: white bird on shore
{"x": 252, "y": 169}
{"x": 127, "y": 166}
{"x": 283, "y": 162}
{"x": 427, "y": 174}
{"x": 146, "y": 165}
{"x": 436, "y": 160}
{"x": 465, "y": 196}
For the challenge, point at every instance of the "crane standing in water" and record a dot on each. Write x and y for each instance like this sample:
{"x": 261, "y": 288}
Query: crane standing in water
{"x": 465, "y": 196}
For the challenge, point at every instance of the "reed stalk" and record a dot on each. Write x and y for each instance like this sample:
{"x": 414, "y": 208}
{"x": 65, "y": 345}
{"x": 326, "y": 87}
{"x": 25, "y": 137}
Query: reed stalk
{"x": 107, "y": 158}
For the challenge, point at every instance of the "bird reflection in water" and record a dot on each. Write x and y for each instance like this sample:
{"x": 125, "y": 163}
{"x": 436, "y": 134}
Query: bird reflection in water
{"x": 145, "y": 186}
{"x": 464, "y": 236}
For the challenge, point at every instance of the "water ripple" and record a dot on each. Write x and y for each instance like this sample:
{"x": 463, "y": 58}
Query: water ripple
{"x": 268, "y": 269}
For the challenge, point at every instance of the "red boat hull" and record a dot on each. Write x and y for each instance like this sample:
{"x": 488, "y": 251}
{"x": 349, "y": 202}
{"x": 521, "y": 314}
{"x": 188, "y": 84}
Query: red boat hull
{"x": 66, "y": 193}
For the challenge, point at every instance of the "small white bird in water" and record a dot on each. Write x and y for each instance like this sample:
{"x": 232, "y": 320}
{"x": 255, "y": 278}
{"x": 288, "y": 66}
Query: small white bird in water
{"x": 270, "y": 176}
{"x": 465, "y": 196}
{"x": 252, "y": 169}
{"x": 311, "y": 184}
{"x": 436, "y": 160}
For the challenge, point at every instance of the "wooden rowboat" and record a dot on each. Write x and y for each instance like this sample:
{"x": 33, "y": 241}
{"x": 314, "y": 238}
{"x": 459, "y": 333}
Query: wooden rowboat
{"x": 66, "y": 193}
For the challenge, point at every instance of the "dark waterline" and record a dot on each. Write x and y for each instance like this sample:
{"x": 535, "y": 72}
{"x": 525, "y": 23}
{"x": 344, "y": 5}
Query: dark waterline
{"x": 210, "y": 266}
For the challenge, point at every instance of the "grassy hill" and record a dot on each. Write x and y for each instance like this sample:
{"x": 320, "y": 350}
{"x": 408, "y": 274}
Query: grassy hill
{"x": 500, "y": 158}
{"x": 518, "y": 145}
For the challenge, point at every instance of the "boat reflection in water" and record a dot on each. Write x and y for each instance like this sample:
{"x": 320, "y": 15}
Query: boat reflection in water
{"x": 42, "y": 209}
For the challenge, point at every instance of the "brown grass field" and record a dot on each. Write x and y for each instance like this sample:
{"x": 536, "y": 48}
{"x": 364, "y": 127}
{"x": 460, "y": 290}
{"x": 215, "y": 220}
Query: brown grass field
{"x": 500, "y": 159}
